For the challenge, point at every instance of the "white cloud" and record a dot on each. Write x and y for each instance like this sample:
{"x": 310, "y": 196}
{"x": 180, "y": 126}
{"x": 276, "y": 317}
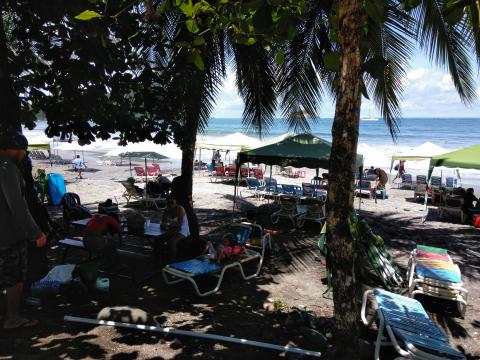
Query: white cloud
{"x": 428, "y": 92}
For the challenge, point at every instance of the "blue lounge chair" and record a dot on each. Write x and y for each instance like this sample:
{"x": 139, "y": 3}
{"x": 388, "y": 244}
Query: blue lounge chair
{"x": 254, "y": 187}
{"x": 411, "y": 332}
{"x": 190, "y": 269}
{"x": 293, "y": 190}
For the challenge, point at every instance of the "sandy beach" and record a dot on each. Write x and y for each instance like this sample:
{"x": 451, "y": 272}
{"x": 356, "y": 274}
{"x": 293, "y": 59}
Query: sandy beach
{"x": 292, "y": 277}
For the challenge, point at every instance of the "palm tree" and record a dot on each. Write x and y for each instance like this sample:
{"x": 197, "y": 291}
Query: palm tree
{"x": 194, "y": 86}
{"x": 364, "y": 48}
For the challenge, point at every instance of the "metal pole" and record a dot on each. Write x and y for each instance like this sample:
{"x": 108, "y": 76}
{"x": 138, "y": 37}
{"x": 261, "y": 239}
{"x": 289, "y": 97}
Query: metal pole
{"x": 130, "y": 161}
{"x": 268, "y": 199}
{"x": 170, "y": 330}
{"x": 146, "y": 175}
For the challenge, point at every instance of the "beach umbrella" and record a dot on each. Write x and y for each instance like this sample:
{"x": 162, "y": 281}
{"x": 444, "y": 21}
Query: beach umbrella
{"x": 142, "y": 154}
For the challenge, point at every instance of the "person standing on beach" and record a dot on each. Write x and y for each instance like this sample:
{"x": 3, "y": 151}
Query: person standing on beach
{"x": 382, "y": 178}
{"x": 78, "y": 166}
{"x": 17, "y": 227}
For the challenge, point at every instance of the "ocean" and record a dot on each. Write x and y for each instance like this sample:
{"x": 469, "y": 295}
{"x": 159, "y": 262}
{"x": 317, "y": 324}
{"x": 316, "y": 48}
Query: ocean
{"x": 375, "y": 141}
{"x": 449, "y": 133}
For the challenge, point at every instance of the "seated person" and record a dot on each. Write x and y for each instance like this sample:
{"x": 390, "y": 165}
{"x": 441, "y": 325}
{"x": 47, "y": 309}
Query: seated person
{"x": 175, "y": 222}
{"x": 468, "y": 207}
{"x": 160, "y": 187}
{"x": 102, "y": 233}
{"x": 138, "y": 189}
{"x": 382, "y": 178}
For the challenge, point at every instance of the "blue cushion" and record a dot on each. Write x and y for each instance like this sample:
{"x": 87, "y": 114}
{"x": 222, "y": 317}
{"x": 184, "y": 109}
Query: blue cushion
{"x": 438, "y": 274}
{"x": 195, "y": 266}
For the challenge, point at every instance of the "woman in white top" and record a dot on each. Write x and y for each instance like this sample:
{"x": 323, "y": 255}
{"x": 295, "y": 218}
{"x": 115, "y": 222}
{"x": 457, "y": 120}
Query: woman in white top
{"x": 175, "y": 222}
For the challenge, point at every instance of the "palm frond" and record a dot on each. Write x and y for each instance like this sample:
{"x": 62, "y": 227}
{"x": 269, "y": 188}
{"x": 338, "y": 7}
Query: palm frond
{"x": 445, "y": 44}
{"x": 302, "y": 73}
{"x": 391, "y": 45}
{"x": 255, "y": 79}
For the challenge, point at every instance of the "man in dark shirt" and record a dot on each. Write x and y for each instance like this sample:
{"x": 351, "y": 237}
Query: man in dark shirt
{"x": 17, "y": 228}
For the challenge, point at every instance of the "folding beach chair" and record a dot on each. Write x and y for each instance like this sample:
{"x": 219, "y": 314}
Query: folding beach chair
{"x": 219, "y": 174}
{"x": 152, "y": 170}
{"x": 130, "y": 192}
{"x": 315, "y": 211}
{"x": 271, "y": 188}
{"x": 254, "y": 187}
{"x": 385, "y": 267}
{"x": 432, "y": 272}
{"x": 190, "y": 269}
{"x": 364, "y": 188}
{"x": 406, "y": 324}
{"x": 421, "y": 179}
{"x": 407, "y": 181}
{"x": 258, "y": 173}
{"x": 293, "y": 190}
{"x": 288, "y": 210}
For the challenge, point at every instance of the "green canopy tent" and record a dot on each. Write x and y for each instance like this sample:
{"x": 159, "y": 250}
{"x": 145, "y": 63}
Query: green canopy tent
{"x": 465, "y": 158}
{"x": 303, "y": 150}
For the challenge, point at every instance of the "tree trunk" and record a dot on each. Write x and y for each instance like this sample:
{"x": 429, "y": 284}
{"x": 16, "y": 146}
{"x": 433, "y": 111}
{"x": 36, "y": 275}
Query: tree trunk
{"x": 341, "y": 179}
{"x": 9, "y": 101}
{"x": 188, "y": 157}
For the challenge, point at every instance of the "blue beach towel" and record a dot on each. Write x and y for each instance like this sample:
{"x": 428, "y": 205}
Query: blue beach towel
{"x": 195, "y": 266}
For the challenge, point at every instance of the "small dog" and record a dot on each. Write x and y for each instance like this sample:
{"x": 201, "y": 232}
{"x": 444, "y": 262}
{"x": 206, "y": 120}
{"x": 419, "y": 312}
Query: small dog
{"x": 127, "y": 314}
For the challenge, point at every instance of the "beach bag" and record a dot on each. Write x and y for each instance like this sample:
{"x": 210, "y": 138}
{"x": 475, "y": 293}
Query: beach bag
{"x": 135, "y": 223}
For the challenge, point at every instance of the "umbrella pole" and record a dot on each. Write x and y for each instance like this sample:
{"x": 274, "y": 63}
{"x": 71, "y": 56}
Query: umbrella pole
{"x": 130, "y": 161}
{"x": 146, "y": 174}
{"x": 268, "y": 199}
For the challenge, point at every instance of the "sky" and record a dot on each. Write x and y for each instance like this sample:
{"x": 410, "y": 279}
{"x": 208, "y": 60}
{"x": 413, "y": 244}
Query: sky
{"x": 428, "y": 92}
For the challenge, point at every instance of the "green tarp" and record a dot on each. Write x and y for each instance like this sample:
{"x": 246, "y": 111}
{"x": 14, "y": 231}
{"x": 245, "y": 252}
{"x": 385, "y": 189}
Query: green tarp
{"x": 466, "y": 158}
{"x": 304, "y": 150}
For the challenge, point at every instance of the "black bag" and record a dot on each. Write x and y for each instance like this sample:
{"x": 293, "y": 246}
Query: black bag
{"x": 396, "y": 167}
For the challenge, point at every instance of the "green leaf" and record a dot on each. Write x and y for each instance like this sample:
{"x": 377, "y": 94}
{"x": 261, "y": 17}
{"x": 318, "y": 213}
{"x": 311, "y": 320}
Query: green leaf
{"x": 199, "y": 41}
{"x": 454, "y": 15}
{"x": 332, "y": 61}
{"x": 192, "y": 25}
{"x": 280, "y": 57}
{"x": 88, "y": 15}
{"x": 187, "y": 8}
{"x": 250, "y": 41}
{"x": 375, "y": 10}
{"x": 198, "y": 61}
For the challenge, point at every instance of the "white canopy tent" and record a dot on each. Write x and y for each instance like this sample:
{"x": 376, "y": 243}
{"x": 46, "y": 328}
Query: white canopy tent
{"x": 233, "y": 142}
{"x": 422, "y": 152}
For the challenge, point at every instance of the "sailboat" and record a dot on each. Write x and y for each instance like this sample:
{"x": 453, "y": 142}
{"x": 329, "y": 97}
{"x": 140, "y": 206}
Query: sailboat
{"x": 369, "y": 117}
